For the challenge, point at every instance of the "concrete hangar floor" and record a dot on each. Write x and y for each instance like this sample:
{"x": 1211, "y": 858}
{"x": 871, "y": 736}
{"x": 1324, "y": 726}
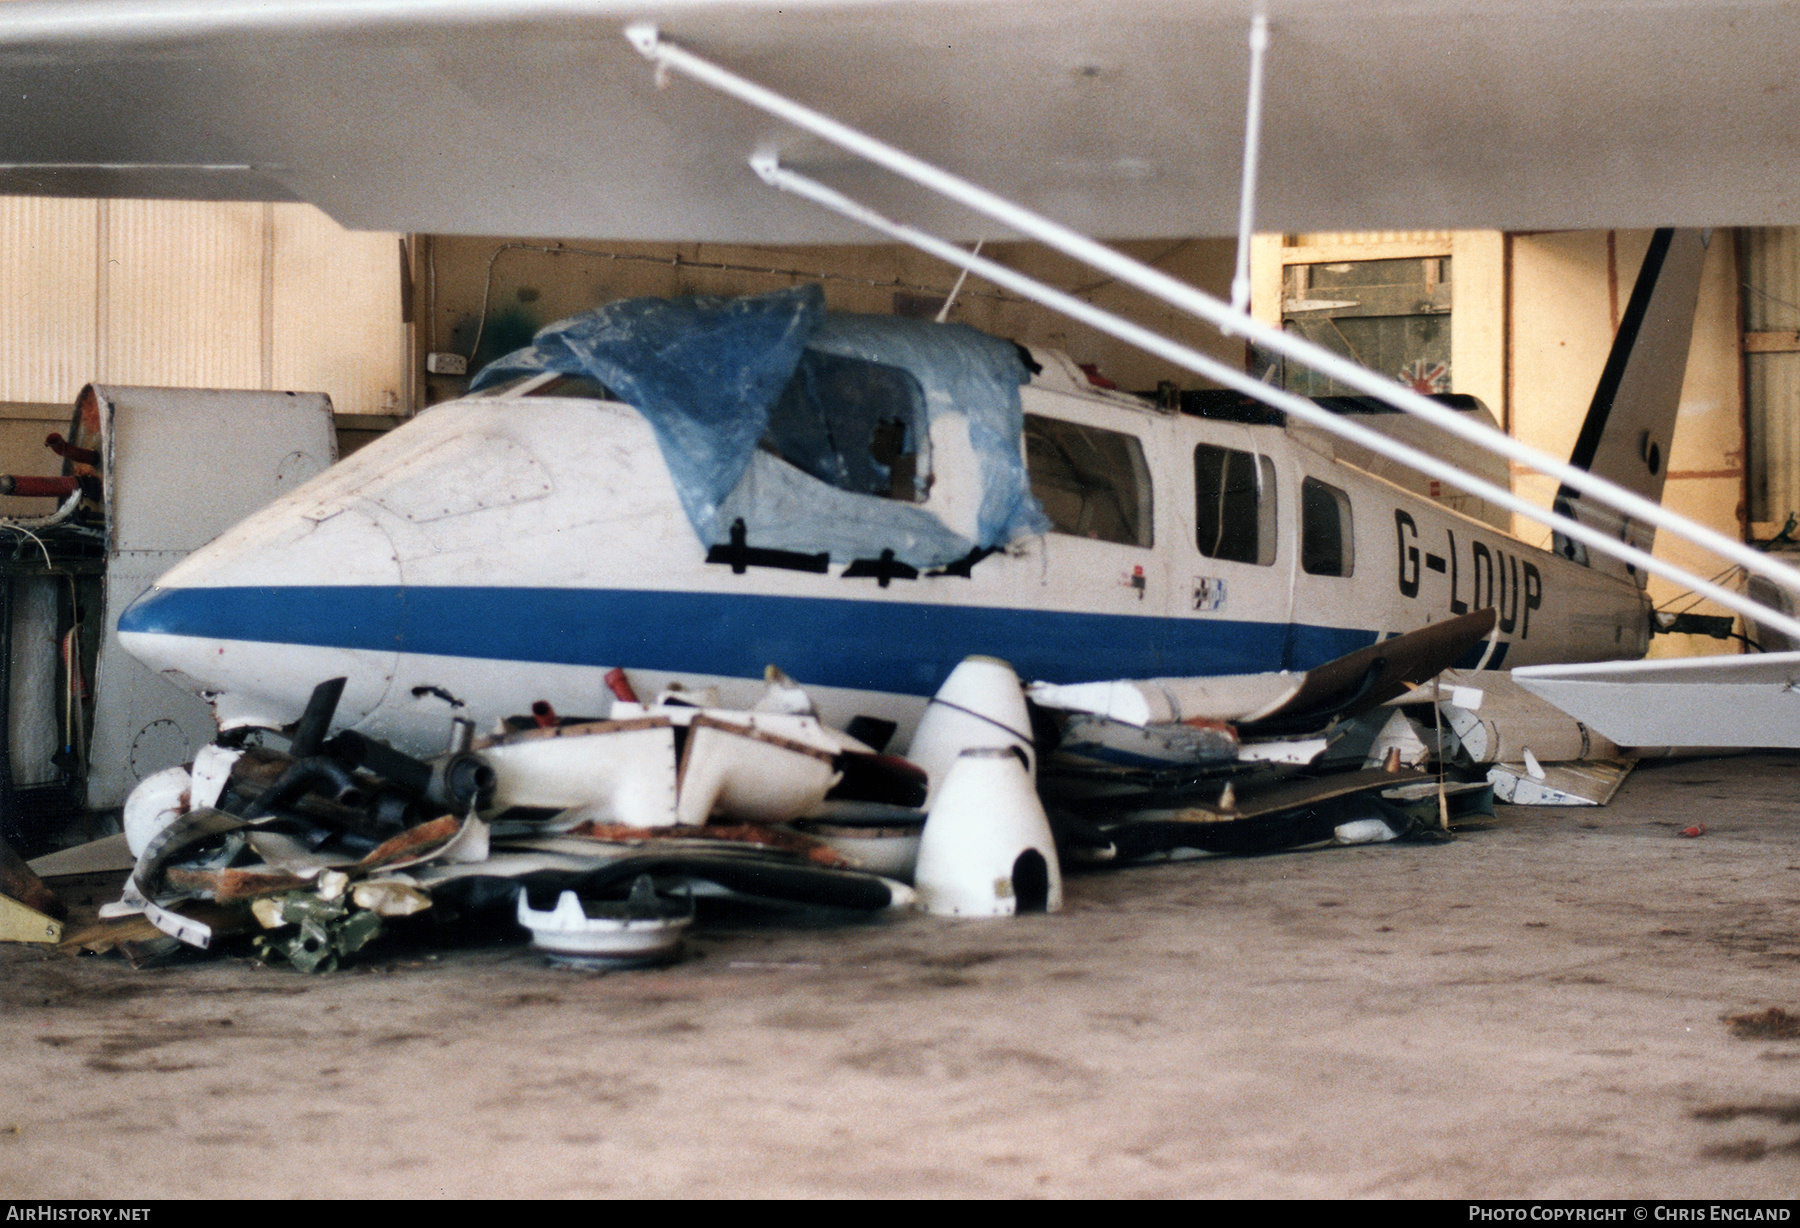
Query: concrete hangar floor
{"x": 1561, "y": 1003}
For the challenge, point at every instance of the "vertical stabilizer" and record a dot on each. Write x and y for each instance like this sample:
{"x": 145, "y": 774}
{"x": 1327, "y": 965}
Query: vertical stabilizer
{"x": 1628, "y": 428}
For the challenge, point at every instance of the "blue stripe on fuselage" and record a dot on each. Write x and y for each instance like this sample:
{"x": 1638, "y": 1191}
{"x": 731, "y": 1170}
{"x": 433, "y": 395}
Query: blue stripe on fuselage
{"x": 894, "y": 646}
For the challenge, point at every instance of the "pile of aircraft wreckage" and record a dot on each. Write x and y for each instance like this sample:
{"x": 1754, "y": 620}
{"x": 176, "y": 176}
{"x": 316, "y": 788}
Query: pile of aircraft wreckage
{"x": 602, "y": 836}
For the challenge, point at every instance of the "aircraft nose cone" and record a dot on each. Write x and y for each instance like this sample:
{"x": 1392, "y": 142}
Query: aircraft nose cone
{"x": 271, "y": 608}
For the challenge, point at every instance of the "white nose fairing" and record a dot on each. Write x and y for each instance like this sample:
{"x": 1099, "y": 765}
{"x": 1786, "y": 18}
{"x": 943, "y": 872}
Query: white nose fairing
{"x": 396, "y": 558}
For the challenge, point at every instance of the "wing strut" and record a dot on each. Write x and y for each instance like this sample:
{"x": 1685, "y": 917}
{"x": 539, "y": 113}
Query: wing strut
{"x": 667, "y": 56}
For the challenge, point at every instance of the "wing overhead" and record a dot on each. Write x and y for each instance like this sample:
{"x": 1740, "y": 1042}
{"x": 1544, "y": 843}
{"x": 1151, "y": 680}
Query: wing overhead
{"x": 534, "y": 117}
{"x": 1746, "y": 701}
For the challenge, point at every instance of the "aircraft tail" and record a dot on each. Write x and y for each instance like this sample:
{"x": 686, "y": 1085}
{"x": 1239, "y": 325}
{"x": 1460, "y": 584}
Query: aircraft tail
{"x": 1628, "y": 428}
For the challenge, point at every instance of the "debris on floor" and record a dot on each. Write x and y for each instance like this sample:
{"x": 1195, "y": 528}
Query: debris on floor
{"x": 1529, "y": 783}
{"x": 606, "y": 838}
{"x": 644, "y": 928}
{"x": 1771, "y": 1024}
{"x": 29, "y": 910}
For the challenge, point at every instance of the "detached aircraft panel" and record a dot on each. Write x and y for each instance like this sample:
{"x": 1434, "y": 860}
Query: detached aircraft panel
{"x": 536, "y": 117}
{"x": 1744, "y": 701}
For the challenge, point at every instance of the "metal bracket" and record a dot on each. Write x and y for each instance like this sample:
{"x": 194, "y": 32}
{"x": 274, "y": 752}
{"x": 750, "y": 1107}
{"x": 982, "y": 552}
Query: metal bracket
{"x": 22, "y": 923}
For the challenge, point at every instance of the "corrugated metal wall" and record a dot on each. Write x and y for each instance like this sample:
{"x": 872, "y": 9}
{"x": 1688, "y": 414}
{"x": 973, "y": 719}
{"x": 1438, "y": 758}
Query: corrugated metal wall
{"x": 335, "y": 304}
{"x": 181, "y": 294}
{"x": 178, "y": 293}
{"x": 1771, "y": 263}
{"x": 49, "y": 297}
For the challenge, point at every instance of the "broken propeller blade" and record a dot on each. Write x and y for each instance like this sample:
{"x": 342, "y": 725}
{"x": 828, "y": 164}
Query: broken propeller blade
{"x": 315, "y": 722}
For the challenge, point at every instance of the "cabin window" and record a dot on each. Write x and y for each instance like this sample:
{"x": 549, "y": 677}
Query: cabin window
{"x": 1091, "y": 482}
{"x": 1234, "y": 513}
{"x": 1327, "y": 538}
{"x": 854, "y": 424}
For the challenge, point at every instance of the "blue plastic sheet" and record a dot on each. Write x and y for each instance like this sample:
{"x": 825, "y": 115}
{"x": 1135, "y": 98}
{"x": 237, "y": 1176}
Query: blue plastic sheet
{"x": 704, "y": 371}
{"x": 961, "y": 371}
{"x": 827, "y": 396}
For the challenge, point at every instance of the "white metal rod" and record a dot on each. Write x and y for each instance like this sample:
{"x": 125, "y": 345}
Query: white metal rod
{"x": 771, "y": 171}
{"x": 950, "y": 298}
{"x": 1240, "y": 282}
{"x": 664, "y": 54}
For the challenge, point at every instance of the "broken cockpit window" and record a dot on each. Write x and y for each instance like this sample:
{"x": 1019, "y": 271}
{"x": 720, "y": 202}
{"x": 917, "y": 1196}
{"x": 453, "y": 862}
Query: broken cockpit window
{"x": 853, "y": 424}
{"x": 1091, "y": 482}
{"x": 786, "y": 427}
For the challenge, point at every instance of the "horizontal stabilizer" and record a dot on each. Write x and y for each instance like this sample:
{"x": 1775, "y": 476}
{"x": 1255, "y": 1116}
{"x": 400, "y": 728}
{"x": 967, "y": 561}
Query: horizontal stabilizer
{"x": 1745, "y": 701}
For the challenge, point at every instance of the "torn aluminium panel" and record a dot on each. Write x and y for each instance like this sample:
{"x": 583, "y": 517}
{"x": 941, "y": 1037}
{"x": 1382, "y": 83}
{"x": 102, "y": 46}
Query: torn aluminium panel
{"x": 1592, "y": 783}
{"x": 1496, "y": 720}
{"x": 105, "y": 855}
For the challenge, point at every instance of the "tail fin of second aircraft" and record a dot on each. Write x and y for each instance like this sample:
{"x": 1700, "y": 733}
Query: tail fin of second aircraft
{"x": 1626, "y": 434}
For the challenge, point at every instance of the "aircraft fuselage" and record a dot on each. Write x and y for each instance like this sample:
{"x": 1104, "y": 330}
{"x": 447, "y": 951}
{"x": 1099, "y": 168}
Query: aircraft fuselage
{"x": 508, "y": 548}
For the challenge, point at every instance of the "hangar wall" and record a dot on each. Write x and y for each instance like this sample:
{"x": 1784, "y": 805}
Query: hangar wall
{"x": 197, "y": 294}
{"x": 1567, "y": 292}
{"x": 1534, "y": 316}
{"x": 508, "y": 288}
{"x": 179, "y": 293}
{"x": 1770, "y": 263}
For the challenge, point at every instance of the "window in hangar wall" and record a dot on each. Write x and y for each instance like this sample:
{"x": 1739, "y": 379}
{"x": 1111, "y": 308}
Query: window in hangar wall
{"x": 1770, "y": 261}
{"x": 1381, "y": 299}
{"x": 1392, "y": 316}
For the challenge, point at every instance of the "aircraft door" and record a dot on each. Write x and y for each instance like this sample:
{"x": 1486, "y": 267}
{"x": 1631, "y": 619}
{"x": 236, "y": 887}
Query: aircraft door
{"x": 1095, "y": 485}
{"x": 1236, "y": 574}
{"x": 1329, "y": 614}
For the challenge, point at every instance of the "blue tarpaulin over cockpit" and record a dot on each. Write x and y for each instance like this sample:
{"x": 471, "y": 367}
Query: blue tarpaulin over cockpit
{"x": 844, "y": 409}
